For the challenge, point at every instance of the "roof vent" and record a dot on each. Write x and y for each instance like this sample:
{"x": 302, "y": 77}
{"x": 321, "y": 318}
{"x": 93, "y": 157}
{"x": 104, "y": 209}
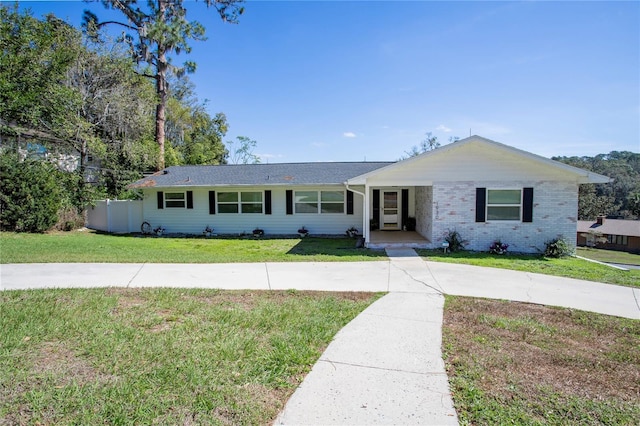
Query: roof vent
{"x": 165, "y": 172}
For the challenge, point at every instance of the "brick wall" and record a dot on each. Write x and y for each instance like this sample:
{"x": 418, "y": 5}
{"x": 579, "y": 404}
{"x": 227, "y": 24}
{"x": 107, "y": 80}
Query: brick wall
{"x": 555, "y": 210}
{"x": 424, "y": 212}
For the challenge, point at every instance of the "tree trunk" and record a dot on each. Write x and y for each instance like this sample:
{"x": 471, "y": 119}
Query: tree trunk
{"x": 160, "y": 120}
{"x": 161, "y": 90}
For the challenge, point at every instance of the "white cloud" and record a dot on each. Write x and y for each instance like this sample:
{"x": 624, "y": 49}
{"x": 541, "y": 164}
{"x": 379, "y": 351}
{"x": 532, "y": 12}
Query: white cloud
{"x": 443, "y": 128}
{"x": 349, "y": 135}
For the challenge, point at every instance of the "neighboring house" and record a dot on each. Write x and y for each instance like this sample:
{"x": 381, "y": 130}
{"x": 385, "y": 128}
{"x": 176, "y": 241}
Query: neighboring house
{"x": 614, "y": 234}
{"x": 29, "y": 144}
{"x": 482, "y": 189}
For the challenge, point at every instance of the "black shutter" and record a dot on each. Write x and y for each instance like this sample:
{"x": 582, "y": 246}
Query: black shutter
{"x": 267, "y": 202}
{"x": 160, "y": 200}
{"x": 289, "y": 201}
{"x": 349, "y": 202}
{"x": 376, "y": 206}
{"x": 405, "y": 207}
{"x": 189, "y": 199}
{"x": 212, "y": 202}
{"x": 481, "y": 202}
{"x": 527, "y": 205}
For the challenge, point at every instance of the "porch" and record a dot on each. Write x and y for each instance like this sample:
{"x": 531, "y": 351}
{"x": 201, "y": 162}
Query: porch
{"x": 396, "y": 239}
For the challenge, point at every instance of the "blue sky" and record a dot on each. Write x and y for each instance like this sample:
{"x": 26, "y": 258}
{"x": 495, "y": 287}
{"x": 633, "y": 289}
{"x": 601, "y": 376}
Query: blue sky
{"x": 349, "y": 81}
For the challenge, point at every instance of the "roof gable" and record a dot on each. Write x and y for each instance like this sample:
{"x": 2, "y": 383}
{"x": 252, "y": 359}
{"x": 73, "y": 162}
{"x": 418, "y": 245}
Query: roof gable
{"x": 476, "y": 158}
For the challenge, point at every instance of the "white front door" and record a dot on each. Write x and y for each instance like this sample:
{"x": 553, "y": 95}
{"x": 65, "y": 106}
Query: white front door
{"x": 390, "y": 212}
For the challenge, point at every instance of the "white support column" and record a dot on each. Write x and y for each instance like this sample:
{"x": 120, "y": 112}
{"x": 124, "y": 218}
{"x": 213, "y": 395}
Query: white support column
{"x": 365, "y": 217}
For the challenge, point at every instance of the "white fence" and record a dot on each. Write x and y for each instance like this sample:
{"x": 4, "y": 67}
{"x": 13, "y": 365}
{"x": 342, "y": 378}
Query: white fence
{"x": 115, "y": 216}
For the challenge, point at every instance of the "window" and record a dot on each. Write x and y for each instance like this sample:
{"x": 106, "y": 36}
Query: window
{"x": 240, "y": 202}
{"x": 174, "y": 199}
{"x": 332, "y": 201}
{"x": 504, "y": 204}
{"x": 618, "y": 239}
{"x": 306, "y": 201}
{"x": 251, "y": 202}
{"x": 319, "y": 201}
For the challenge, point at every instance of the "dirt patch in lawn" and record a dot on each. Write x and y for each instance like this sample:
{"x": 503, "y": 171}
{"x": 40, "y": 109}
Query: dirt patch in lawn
{"x": 247, "y": 300}
{"x": 60, "y": 364}
{"x": 540, "y": 357}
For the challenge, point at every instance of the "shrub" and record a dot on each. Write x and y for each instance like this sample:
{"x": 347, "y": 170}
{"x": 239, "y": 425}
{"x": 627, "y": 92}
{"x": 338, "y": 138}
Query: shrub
{"x": 456, "y": 243}
{"x": 558, "y": 247}
{"x": 30, "y": 194}
{"x": 498, "y": 247}
{"x": 69, "y": 219}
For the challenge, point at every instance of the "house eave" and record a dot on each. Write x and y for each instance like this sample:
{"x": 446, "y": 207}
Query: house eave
{"x": 581, "y": 176}
{"x": 233, "y": 185}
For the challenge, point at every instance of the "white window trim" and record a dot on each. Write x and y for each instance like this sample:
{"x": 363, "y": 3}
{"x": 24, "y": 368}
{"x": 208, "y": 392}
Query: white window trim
{"x": 184, "y": 199}
{"x": 319, "y": 194}
{"x": 238, "y": 203}
{"x": 521, "y": 205}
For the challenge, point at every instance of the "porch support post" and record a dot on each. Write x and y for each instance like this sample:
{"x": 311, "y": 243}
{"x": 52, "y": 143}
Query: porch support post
{"x": 365, "y": 217}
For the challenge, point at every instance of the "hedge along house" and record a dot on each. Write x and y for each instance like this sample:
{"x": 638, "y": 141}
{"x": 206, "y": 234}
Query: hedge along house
{"x": 482, "y": 189}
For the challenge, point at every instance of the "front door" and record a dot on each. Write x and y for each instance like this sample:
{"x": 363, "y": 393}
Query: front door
{"x": 390, "y": 214}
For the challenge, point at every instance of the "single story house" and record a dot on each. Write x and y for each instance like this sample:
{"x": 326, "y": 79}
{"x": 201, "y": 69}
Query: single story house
{"x": 614, "y": 234}
{"x": 483, "y": 189}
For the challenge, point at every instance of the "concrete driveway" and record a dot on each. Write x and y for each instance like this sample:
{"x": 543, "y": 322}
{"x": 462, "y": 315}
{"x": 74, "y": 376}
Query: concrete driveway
{"x": 385, "y": 366}
{"x": 374, "y": 276}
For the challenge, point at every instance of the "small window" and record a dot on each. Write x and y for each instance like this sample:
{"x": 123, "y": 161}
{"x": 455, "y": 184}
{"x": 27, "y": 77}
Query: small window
{"x": 174, "y": 199}
{"x": 306, "y": 201}
{"x": 240, "y": 202}
{"x": 618, "y": 239}
{"x": 332, "y": 201}
{"x": 227, "y": 202}
{"x": 251, "y": 202}
{"x": 504, "y": 204}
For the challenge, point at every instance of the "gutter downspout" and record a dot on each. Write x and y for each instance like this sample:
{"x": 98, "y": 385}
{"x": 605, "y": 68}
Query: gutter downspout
{"x": 365, "y": 211}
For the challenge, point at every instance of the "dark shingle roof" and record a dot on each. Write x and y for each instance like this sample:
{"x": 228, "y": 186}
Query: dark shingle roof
{"x": 627, "y": 227}
{"x": 258, "y": 174}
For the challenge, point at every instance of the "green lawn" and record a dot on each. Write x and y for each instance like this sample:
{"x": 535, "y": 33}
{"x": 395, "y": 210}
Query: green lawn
{"x": 515, "y": 363}
{"x": 89, "y": 246}
{"x": 565, "y": 267}
{"x": 611, "y": 256}
{"x": 161, "y": 356}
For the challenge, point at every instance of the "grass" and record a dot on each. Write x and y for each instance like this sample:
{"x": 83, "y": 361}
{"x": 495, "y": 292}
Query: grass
{"x": 564, "y": 267}
{"x": 611, "y": 256}
{"x": 89, "y": 247}
{"x": 515, "y": 363}
{"x": 160, "y": 356}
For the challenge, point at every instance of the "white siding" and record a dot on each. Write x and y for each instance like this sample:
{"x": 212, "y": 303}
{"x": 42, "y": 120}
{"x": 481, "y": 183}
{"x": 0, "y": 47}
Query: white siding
{"x": 467, "y": 163}
{"x": 194, "y": 221}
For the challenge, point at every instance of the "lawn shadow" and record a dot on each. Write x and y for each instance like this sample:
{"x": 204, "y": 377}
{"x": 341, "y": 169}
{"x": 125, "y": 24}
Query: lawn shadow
{"x": 332, "y": 246}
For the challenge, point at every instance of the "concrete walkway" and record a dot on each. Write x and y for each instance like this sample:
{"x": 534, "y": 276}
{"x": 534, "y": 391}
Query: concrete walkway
{"x": 385, "y": 367}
